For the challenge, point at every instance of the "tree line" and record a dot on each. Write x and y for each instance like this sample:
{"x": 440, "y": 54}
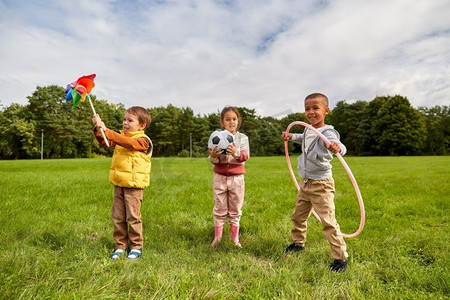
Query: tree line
{"x": 386, "y": 125}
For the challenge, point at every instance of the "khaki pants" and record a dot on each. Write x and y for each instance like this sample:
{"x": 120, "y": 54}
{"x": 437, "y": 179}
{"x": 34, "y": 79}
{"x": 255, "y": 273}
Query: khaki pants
{"x": 126, "y": 216}
{"x": 318, "y": 194}
{"x": 228, "y": 195}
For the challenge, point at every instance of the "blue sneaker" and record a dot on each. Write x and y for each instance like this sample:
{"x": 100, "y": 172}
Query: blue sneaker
{"x": 134, "y": 254}
{"x": 117, "y": 253}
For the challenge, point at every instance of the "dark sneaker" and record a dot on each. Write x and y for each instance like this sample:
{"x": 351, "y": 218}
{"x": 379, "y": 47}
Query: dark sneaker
{"x": 338, "y": 266}
{"x": 293, "y": 248}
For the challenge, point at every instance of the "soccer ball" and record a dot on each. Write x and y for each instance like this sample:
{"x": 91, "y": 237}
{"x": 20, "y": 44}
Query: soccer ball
{"x": 221, "y": 138}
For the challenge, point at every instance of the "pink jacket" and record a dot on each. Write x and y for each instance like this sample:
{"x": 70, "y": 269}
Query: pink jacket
{"x": 229, "y": 165}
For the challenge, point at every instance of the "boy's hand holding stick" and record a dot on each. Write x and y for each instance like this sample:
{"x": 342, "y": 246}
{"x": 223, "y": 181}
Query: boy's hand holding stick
{"x": 98, "y": 122}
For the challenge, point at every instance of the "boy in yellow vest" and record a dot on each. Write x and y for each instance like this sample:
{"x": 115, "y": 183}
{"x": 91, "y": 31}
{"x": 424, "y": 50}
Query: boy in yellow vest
{"x": 130, "y": 174}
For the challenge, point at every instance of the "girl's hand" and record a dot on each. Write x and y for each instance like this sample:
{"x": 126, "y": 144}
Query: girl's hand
{"x": 215, "y": 153}
{"x": 334, "y": 147}
{"x": 286, "y": 136}
{"x": 232, "y": 149}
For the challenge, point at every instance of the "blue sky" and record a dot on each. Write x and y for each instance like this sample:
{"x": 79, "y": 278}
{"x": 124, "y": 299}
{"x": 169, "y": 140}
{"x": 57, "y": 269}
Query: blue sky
{"x": 266, "y": 55}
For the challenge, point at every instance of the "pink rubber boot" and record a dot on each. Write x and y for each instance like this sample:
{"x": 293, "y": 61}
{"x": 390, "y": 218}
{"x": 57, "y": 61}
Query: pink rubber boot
{"x": 235, "y": 235}
{"x": 217, "y": 235}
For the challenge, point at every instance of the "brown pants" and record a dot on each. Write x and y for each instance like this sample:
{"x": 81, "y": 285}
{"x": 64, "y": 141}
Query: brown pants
{"x": 228, "y": 195}
{"x": 126, "y": 216}
{"x": 318, "y": 194}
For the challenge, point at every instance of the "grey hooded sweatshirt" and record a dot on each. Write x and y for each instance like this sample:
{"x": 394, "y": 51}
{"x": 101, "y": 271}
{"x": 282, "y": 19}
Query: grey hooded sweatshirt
{"x": 314, "y": 162}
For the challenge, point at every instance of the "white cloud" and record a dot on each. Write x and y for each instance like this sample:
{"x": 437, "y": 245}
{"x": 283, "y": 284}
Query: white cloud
{"x": 266, "y": 55}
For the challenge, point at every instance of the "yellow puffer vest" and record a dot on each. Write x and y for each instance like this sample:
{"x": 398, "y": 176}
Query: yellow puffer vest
{"x": 130, "y": 168}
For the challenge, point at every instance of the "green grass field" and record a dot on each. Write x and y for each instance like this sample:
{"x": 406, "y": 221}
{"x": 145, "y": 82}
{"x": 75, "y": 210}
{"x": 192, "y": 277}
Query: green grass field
{"x": 56, "y": 233}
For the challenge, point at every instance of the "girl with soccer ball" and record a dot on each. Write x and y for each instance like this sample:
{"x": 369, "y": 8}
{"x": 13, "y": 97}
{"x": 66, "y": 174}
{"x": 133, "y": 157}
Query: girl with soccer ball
{"x": 228, "y": 182}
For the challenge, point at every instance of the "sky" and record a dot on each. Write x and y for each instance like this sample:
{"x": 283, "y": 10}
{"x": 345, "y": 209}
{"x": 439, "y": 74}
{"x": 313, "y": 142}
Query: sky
{"x": 266, "y": 55}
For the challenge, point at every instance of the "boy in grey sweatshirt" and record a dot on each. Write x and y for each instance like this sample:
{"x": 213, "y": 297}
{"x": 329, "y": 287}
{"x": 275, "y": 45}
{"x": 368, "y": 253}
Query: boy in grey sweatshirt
{"x": 317, "y": 187}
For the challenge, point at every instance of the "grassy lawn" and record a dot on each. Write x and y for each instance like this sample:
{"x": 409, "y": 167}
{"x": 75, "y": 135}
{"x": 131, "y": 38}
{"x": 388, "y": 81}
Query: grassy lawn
{"x": 56, "y": 233}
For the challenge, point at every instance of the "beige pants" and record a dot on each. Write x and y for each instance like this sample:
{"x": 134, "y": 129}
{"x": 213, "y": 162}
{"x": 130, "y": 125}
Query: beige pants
{"x": 228, "y": 195}
{"x": 318, "y": 194}
{"x": 126, "y": 216}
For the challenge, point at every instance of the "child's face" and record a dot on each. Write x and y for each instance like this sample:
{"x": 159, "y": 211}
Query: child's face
{"x": 315, "y": 112}
{"x": 131, "y": 123}
{"x": 230, "y": 121}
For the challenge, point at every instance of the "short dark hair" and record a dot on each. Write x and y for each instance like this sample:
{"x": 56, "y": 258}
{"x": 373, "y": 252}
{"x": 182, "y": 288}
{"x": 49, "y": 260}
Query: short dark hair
{"x": 142, "y": 115}
{"x": 316, "y": 96}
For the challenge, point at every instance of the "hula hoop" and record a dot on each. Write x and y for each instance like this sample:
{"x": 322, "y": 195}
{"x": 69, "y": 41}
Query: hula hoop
{"x": 344, "y": 164}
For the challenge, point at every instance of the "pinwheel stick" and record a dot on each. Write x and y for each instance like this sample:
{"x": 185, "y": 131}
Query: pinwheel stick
{"x": 101, "y": 129}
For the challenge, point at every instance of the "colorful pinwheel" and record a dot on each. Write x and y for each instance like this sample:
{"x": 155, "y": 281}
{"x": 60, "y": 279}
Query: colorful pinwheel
{"x": 80, "y": 89}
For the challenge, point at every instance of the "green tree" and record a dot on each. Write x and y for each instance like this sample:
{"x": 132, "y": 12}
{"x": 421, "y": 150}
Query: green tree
{"x": 250, "y": 127}
{"x": 366, "y": 132}
{"x": 17, "y": 138}
{"x": 44, "y": 108}
{"x": 438, "y": 128}
{"x": 165, "y": 130}
{"x": 400, "y": 129}
{"x": 347, "y": 119}
{"x": 186, "y": 127}
{"x": 213, "y": 120}
{"x": 66, "y": 133}
{"x": 200, "y": 136}
{"x": 270, "y": 142}
{"x": 384, "y": 126}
